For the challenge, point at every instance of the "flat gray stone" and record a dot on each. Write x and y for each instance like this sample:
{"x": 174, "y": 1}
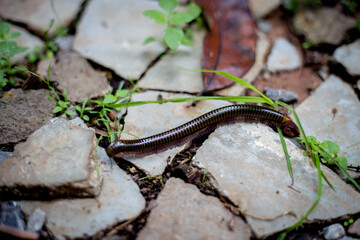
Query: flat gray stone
{"x": 120, "y": 199}
{"x": 334, "y": 231}
{"x": 281, "y": 95}
{"x": 150, "y": 119}
{"x": 116, "y": 42}
{"x": 283, "y": 56}
{"x": 56, "y": 160}
{"x": 76, "y": 75}
{"x": 25, "y": 40}
{"x": 166, "y": 74}
{"x": 185, "y": 213}
{"x": 248, "y": 165}
{"x": 343, "y": 127}
{"x": 323, "y": 25}
{"x": 349, "y": 56}
{"x": 36, "y": 220}
{"x": 37, "y": 14}
{"x": 4, "y": 155}
{"x": 261, "y": 8}
{"x": 23, "y": 112}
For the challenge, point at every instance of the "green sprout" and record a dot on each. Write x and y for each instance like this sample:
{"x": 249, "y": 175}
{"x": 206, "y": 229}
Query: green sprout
{"x": 174, "y": 35}
{"x": 83, "y": 109}
{"x": 62, "y": 105}
{"x": 8, "y": 49}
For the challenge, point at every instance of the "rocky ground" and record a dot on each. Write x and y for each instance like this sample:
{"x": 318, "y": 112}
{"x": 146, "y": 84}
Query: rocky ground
{"x": 56, "y": 181}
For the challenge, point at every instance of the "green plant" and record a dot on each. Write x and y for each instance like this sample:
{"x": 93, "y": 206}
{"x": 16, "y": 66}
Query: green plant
{"x": 83, "y": 109}
{"x": 174, "y": 36}
{"x": 62, "y": 105}
{"x": 50, "y": 47}
{"x": 348, "y": 222}
{"x": 8, "y": 49}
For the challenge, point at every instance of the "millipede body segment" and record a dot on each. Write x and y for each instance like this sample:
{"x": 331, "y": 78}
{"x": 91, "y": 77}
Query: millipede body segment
{"x": 200, "y": 125}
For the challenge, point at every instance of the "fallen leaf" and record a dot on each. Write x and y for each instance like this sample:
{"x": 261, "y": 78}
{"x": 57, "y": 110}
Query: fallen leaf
{"x": 230, "y": 44}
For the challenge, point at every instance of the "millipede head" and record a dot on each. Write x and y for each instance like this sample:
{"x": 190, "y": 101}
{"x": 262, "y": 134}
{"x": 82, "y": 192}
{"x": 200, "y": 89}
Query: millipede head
{"x": 289, "y": 128}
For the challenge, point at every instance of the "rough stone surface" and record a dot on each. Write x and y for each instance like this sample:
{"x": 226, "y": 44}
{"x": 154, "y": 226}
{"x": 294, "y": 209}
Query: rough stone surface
{"x": 323, "y": 25}
{"x": 22, "y": 112}
{"x": 120, "y": 199}
{"x": 36, "y": 220}
{"x": 283, "y": 95}
{"x": 116, "y": 42}
{"x": 334, "y": 231}
{"x": 56, "y": 160}
{"x": 25, "y": 40}
{"x": 248, "y": 164}
{"x": 355, "y": 228}
{"x": 166, "y": 74}
{"x": 342, "y": 127}
{"x": 262, "y": 48}
{"x": 260, "y": 8}
{"x": 150, "y": 119}
{"x": 349, "y": 56}
{"x": 75, "y": 74}
{"x": 184, "y": 213}
{"x": 37, "y": 14}
{"x": 283, "y": 56}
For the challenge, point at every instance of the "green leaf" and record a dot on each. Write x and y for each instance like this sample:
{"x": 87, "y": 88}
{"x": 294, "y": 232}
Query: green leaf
{"x": 69, "y": 112}
{"x": 1, "y": 76}
{"x": 342, "y": 161}
{"x": 86, "y": 118}
{"x": 20, "y": 50}
{"x": 179, "y": 18}
{"x": 109, "y": 98}
{"x": 4, "y": 27}
{"x": 149, "y": 40}
{"x": 311, "y": 139}
{"x": 120, "y": 93}
{"x": 14, "y": 35}
{"x": 173, "y": 37}
{"x": 186, "y": 41}
{"x": 62, "y": 104}
{"x": 78, "y": 108}
{"x": 8, "y": 48}
{"x": 157, "y": 16}
{"x": 37, "y": 48}
{"x": 168, "y": 5}
{"x": 331, "y": 146}
{"x": 88, "y": 108}
{"x": 194, "y": 11}
{"x": 32, "y": 57}
{"x": 57, "y": 109}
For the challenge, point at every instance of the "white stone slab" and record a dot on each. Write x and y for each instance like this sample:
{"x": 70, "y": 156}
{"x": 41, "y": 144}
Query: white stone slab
{"x": 283, "y": 56}
{"x": 119, "y": 200}
{"x": 111, "y": 33}
{"x": 166, "y": 74}
{"x": 37, "y": 14}
{"x": 343, "y": 127}
{"x": 349, "y": 56}
{"x": 182, "y": 212}
{"x": 249, "y": 167}
{"x": 150, "y": 119}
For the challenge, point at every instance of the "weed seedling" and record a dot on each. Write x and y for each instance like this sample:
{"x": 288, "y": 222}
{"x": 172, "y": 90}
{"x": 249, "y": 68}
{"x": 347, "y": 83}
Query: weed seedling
{"x": 8, "y": 49}
{"x": 174, "y": 35}
{"x": 83, "y": 109}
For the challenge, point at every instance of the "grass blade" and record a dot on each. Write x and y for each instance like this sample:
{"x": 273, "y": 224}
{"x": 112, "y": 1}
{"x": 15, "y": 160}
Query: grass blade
{"x": 286, "y": 154}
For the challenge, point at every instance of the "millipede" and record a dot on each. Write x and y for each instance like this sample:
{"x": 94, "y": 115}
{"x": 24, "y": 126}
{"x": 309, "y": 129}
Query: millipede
{"x": 200, "y": 126}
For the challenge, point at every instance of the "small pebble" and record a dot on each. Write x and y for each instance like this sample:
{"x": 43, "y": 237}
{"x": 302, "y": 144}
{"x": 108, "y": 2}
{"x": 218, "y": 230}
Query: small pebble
{"x": 36, "y": 220}
{"x": 281, "y": 95}
{"x": 334, "y": 231}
